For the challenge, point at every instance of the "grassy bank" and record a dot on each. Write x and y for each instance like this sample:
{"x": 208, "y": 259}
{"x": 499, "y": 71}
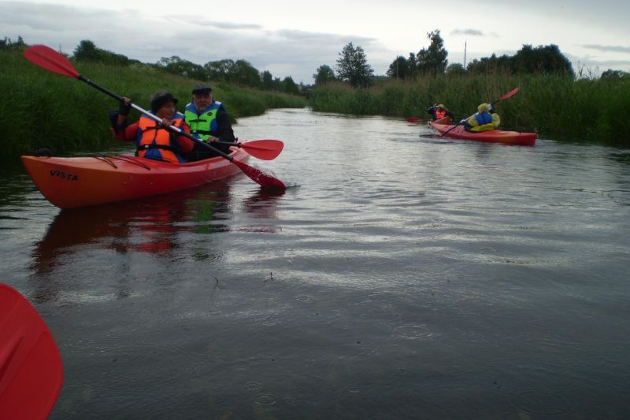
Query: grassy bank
{"x": 43, "y": 109}
{"x": 555, "y": 107}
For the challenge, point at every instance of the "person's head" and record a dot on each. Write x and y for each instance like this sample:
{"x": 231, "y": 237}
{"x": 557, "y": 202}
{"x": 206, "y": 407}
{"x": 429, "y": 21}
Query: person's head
{"x": 202, "y": 96}
{"x": 163, "y": 104}
{"x": 441, "y": 107}
{"x": 484, "y": 107}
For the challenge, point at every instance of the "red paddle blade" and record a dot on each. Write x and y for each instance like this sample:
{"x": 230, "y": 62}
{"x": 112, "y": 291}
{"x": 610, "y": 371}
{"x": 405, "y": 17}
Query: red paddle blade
{"x": 263, "y": 179}
{"x": 31, "y": 372}
{"x": 51, "y": 60}
{"x": 507, "y": 95}
{"x": 414, "y": 120}
{"x": 263, "y": 149}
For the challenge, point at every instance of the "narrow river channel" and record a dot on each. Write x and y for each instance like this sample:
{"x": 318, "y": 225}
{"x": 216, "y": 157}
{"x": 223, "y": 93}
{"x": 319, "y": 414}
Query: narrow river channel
{"x": 400, "y": 276}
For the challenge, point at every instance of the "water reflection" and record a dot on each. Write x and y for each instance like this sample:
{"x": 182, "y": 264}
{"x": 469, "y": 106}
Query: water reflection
{"x": 167, "y": 226}
{"x": 262, "y": 207}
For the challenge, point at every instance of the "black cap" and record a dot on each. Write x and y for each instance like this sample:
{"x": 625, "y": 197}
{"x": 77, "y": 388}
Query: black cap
{"x": 201, "y": 88}
{"x": 160, "y": 98}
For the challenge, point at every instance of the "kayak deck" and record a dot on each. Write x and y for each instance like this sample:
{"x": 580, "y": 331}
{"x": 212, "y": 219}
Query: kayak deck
{"x": 492, "y": 136}
{"x": 87, "y": 181}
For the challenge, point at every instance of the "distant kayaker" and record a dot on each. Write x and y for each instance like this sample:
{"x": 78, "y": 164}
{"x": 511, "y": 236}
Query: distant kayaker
{"x": 154, "y": 140}
{"x": 484, "y": 120}
{"x": 209, "y": 121}
{"x": 439, "y": 113}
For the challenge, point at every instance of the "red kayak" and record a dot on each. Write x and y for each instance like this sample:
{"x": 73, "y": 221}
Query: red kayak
{"x": 87, "y": 181}
{"x": 491, "y": 136}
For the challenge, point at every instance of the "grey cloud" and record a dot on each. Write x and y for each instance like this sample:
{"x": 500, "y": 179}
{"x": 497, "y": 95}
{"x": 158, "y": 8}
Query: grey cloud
{"x": 608, "y": 48}
{"x": 468, "y": 32}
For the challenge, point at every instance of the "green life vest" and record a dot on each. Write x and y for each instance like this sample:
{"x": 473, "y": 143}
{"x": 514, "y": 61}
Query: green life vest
{"x": 203, "y": 125}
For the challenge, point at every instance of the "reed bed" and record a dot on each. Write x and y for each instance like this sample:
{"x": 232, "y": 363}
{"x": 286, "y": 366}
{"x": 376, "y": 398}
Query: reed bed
{"x": 42, "y": 109}
{"x": 562, "y": 108}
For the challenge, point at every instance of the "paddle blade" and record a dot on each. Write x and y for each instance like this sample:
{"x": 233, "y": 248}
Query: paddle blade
{"x": 263, "y": 179}
{"x": 507, "y": 95}
{"x": 50, "y": 60}
{"x": 263, "y": 149}
{"x": 31, "y": 372}
{"x": 414, "y": 120}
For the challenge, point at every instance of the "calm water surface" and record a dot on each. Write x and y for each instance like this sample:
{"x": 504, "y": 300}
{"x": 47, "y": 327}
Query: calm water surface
{"x": 401, "y": 276}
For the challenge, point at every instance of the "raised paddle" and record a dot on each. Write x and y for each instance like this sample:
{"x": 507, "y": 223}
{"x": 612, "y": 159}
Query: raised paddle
{"x": 51, "y": 60}
{"x": 261, "y": 149}
{"x": 31, "y": 372}
{"x": 507, "y": 95}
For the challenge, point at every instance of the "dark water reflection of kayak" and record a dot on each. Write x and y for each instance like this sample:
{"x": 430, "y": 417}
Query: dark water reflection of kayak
{"x": 153, "y": 225}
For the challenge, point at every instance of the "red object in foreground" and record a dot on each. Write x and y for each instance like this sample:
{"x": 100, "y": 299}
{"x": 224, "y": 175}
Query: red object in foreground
{"x": 492, "y": 136}
{"x": 414, "y": 120}
{"x": 87, "y": 181}
{"x": 31, "y": 372}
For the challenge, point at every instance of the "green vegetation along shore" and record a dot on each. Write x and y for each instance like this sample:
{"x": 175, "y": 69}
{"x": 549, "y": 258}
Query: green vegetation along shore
{"x": 43, "y": 109}
{"x": 557, "y": 107}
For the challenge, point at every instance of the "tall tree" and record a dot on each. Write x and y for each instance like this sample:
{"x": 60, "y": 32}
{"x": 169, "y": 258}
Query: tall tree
{"x": 219, "y": 70}
{"x": 176, "y": 65}
{"x": 245, "y": 74}
{"x": 267, "y": 80}
{"x": 545, "y": 59}
{"x": 455, "y": 69}
{"x": 289, "y": 86}
{"x": 433, "y": 59}
{"x": 324, "y": 75}
{"x": 400, "y": 69}
{"x": 352, "y": 66}
{"x": 87, "y": 51}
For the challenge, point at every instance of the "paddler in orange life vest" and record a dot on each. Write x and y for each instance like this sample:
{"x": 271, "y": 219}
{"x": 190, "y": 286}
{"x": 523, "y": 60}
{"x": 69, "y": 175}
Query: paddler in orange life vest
{"x": 154, "y": 140}
{"x": 484, "y": 120}
{"x": 209, "y": 122}
{"x": 439, "y": 114}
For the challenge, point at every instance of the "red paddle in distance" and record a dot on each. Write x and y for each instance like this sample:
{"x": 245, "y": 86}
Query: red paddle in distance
{"x": 31, "y": 372}
{"x": 49, "y": 59}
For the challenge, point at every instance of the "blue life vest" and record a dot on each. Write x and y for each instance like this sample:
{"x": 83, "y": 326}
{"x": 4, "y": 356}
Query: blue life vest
{"x": 483, "y": 118}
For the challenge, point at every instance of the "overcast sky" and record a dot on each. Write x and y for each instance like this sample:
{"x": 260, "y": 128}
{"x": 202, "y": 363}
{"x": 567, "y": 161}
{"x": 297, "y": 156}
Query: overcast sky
{"x": 294, "y": 38}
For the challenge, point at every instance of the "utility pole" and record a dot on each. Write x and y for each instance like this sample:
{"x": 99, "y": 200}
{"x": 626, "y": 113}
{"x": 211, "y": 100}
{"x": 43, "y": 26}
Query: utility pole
{"x": 464, "y": 55}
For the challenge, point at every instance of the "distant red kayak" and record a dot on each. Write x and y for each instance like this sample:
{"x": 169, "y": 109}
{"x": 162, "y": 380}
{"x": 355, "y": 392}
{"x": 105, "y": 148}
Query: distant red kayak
{"x": 88, "y": 181}
{"x": 492, "y": 136}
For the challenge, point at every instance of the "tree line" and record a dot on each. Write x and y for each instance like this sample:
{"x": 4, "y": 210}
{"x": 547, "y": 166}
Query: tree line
{"x": 239, "y": 72}
{"x": 352, "y": 66}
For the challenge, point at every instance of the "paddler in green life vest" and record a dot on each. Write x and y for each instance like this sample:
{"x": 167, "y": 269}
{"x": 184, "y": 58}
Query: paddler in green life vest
{"x": 208, "y": 121}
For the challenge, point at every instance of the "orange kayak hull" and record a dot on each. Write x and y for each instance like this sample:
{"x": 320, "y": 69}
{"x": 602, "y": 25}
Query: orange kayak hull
{"x": 492, "y": 136}
{"x": 88, "y": 181}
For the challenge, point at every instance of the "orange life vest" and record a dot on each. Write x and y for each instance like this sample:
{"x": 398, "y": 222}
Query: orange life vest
{"x": 439, "y": 114}
{"x": 158, "y": 143}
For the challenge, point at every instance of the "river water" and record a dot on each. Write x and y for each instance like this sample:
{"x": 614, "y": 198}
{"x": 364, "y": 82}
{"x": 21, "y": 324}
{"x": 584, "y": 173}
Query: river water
{"x": 400, "y": 276}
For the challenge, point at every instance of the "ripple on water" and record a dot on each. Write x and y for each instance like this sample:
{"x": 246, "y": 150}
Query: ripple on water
{"x": 265, "y": 400}
{"x": 539, "y": 401}
{"x": 413, "y": 332}
{"x": 252, "y": 386}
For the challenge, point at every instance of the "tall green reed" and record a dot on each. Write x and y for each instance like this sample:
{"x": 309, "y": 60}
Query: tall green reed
{"x": 43, "y": 109}
{"x": 583, "y": 110}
